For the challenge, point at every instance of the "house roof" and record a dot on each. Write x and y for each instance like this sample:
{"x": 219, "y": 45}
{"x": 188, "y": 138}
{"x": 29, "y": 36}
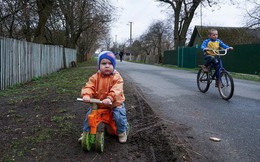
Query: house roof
{"x": 229, "y": 35}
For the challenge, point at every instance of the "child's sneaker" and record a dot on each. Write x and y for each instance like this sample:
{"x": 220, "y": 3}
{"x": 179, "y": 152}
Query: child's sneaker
{"x": 205, "y": 69}
{"x": 216, "y": 84}
{"x": 122, "y": 137}
{"x": 80, "y": 139}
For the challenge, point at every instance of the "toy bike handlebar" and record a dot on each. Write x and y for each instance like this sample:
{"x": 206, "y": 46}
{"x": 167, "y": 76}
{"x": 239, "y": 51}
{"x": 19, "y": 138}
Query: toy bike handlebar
{"x": 93, "y": 100}
{"x": 219, "y": 52}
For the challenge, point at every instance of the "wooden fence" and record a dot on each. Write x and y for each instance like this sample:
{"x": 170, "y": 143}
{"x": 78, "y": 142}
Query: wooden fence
{"x": 20, "y": 61}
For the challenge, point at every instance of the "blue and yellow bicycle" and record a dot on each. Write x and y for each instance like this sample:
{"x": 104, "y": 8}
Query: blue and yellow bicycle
{"x": 223, "y": 79}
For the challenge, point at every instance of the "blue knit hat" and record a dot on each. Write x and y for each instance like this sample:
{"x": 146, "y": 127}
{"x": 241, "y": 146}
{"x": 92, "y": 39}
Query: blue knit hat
{"x": 107, "y": 55}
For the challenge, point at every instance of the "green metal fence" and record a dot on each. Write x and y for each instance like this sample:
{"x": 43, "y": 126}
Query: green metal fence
{"x": 243, "y": 59}
{"x": 171, "y": 57}
{"x": 187, "y": 57}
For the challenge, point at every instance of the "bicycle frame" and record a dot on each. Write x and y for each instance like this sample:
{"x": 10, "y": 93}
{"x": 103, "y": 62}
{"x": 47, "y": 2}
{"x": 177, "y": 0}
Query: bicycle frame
{"x": 219, "y": 67}
{"x": 224, "y": 81}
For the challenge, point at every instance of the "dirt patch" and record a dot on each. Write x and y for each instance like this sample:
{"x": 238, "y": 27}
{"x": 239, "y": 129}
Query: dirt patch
{"x": 47, "y": 127}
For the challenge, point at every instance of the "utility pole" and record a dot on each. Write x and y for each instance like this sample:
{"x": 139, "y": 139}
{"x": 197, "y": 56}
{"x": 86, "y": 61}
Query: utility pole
{"x": 116, "y": 44}
{"x": 131, "y": 40}
{"x": 200, "y": 17}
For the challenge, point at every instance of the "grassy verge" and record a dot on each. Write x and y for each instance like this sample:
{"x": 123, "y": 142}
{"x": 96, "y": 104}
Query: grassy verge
{"x": 62, "y": 81}
{"x": 36, "y": 112}
{"x": 195, "y": 70}
{"x": 234, "y": 75}
{"x": 246, "y": 76}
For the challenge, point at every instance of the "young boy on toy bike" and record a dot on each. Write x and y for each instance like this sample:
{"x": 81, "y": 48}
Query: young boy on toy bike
{"x": 107, "y": 85}
{"x": 212, "y": 43}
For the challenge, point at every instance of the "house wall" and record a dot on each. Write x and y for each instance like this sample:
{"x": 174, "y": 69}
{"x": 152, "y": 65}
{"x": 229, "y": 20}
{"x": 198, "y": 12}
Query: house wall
{"x": 197, "y": 41}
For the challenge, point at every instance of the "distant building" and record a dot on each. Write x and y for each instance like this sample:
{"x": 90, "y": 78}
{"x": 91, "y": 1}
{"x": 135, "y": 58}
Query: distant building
{"x": 230, "y": 35}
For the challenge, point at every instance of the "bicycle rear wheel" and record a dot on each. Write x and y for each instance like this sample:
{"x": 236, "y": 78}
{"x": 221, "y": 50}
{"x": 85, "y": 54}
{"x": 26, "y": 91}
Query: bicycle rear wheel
{"x": 225, "y": 85}
{"x": 203, "y": 81}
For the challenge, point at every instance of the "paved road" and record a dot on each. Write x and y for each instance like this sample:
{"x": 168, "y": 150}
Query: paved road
{"x": 175, "y": 96}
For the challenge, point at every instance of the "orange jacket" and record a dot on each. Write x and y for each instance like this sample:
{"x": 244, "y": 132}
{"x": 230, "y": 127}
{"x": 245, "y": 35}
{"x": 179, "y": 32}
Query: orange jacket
{"x": 102, "y": 87}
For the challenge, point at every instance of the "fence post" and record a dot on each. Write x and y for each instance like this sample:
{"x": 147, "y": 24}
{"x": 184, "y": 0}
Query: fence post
{"x": 182, "y": 59}
{"x": 64, "y": 57}
{"x": 178, "y": 56}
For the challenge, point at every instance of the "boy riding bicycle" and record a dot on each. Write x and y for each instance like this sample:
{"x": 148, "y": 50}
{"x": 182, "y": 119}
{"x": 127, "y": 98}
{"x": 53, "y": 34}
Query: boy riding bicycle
{"x": 212, "y": 43}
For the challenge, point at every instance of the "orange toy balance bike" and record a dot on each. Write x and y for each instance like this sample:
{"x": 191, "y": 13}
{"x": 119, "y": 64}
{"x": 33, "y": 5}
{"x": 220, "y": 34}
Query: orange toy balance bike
{"x": 95, "y": 138}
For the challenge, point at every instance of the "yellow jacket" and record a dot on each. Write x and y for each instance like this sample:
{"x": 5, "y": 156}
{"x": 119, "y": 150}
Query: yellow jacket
{"x": 102, "y": 87}
{"x": 213, "y": 44}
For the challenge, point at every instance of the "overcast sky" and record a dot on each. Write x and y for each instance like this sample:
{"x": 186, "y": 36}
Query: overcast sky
{"x": 143, "y": 12}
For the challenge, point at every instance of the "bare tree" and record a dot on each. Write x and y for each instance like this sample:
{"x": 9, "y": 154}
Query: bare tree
{"x": 107, "y": 42}
{"x": 253, "y": 16}
{"x": 146, "y": 44}
{"x": 184, "y": 11}
{"x": 44, "y": 10}
{"x": 28, "y": 19}
{"x": 155, "y": 40}
{"x": 159, "y": 32}
{"x": 25, "y": 19}
{"x": 81, "y": 15}
{"x": 80, "y": 24}
{"x": 10, "y": 13}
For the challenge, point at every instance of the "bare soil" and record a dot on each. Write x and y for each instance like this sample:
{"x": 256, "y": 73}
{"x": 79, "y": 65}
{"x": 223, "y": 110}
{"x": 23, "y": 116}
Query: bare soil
{"x": 36, "y": 126}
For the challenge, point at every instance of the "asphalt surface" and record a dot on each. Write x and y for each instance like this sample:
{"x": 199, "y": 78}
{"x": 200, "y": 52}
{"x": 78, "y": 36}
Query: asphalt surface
{"x": 174, "y": 96}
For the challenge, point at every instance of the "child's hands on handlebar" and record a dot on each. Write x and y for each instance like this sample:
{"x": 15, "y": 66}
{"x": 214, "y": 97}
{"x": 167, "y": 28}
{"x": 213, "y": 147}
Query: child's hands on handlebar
{"x": 209, "y": 49}
{"x": 107, "y": 101}
{"x": 86, "y": 98}
{"x": 206, "y": 49}
{"x": 230, "y": 48}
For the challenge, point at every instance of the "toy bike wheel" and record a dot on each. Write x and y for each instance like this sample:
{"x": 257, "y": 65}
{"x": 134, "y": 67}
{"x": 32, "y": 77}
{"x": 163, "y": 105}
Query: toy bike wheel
{"x": 99, "y": 143}
{"x": 203, "y": 81}
{"x": 225, "y": 85}
{"x": 128, "y": 128}
{"x": 85, "y": 143}
{"x": 107, "y": 130}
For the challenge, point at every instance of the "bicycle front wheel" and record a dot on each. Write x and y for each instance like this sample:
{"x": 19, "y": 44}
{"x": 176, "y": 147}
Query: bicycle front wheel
{"x": 225, "y": 85}
{"x": 203, "y": 81}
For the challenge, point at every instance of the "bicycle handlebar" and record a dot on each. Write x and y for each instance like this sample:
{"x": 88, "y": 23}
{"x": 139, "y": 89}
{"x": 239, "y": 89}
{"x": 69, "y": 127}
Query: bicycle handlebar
{"x": 219, "y": 52}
